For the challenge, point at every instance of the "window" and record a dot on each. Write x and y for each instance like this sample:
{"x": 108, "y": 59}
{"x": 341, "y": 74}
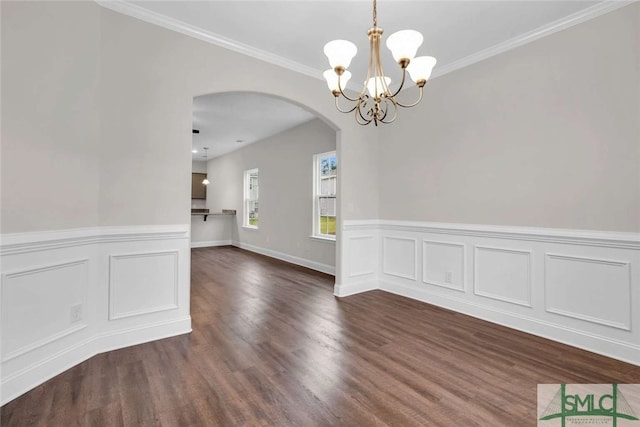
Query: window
{"x": 251, "y": 198}
{"x": 325, "y": 175}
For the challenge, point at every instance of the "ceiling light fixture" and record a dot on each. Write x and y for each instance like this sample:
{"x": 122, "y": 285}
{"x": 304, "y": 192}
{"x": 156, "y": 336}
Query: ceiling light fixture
{"x": 380, "y": 104}
{"x": 205, "y": 181}
{"x": 194, "y": 151}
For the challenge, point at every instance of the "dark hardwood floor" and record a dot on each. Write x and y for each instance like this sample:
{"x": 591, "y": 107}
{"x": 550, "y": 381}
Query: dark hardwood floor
{"x": 271, "y": 346}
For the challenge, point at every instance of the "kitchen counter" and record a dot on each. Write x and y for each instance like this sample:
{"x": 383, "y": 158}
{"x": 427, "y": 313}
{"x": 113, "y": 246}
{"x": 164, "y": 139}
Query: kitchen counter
{"x": 201, "y": 212}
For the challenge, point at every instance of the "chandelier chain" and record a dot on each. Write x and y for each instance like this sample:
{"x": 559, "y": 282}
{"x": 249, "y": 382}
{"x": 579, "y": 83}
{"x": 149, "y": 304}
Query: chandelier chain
{"x": 375, "y": 14}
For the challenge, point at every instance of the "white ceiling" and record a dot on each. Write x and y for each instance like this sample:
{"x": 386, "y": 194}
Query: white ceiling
{"x": 293, "y": 33}
{"x": 229, "y": 121}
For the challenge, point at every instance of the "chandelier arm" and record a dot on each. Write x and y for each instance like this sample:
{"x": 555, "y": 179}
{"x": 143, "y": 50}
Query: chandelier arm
{"x": 371, "y": 50}
{"x": 414, "y": 104}
{"x": 383, "y": 110}
{"x": 379, "y": 70}
{"x": 364, "y": 121}
{"x": 395, "y": 112}
{"x": 359, "y": 113}
{"x": 343, "y": 94}
{"x": 378, "y": 74}
{"x": 404, "y": 76}
{"x": 341, "y": 110}
{"x": 347, "y": 98}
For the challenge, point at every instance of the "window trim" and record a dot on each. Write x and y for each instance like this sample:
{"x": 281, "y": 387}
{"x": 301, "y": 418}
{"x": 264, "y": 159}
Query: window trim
{"x": 246, "y": 199}
{"x": 315, "y": 230}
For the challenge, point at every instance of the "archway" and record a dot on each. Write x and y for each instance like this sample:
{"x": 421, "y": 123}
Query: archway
{"x": 279, "y": 137}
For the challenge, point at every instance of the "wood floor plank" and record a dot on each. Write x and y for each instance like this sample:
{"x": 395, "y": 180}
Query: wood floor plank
{"x": 272, "y": 346}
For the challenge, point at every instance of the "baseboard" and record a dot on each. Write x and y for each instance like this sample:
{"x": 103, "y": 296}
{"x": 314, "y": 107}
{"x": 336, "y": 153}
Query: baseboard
{"x": 32, "y": 376}
{"x": 347, "y": 289}
{"x": 323, "y": 268}
{"x": 211, "y": 243}
{"x": 81, "y": 267}
{"x": 594, "y": 343}
{"x": 577, "y": 287}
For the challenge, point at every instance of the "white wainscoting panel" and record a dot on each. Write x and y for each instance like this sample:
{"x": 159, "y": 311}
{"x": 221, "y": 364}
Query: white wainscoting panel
{"x": 503, "y": 274}
{"x": 61, "y": 290}
{"x": 45, "y": 292}
{"x": 363, "y": 259}
{"x": 358, "y": 249}
{"x": 443, "y": 264}
{"x": 400, "y": 257}
{"x": 592, "y": 289}
{"x": 578, "y": 287}
{"x": 142, "y": 283}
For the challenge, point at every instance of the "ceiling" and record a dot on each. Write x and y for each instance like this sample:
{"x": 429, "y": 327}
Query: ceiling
{"x": 232, "y": 120}
{"x": 292, "y": 33}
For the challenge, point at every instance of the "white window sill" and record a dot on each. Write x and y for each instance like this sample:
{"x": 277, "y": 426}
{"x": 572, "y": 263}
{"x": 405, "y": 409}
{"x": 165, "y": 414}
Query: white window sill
{"x": 323, "y": 239}
{"x": 249, "y": 227}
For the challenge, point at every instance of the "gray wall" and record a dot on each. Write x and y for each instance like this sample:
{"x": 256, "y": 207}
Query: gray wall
{"x": 116, "y": 150}
{"x": 544, "y": 135}
{"x": 50, "y": 115}
{"x": 285, "y": 163}
{"x": 198, "y": 166}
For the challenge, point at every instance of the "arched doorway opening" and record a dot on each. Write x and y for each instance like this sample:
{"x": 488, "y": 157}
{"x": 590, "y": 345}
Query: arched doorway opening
{"x": 274, "y": 163}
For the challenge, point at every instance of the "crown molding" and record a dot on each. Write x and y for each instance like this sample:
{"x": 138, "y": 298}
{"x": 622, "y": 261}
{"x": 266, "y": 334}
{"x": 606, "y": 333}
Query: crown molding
{"x": 584, "y": 15}
{"x": 135, "y": 11}
{"x": 129, "y": 9}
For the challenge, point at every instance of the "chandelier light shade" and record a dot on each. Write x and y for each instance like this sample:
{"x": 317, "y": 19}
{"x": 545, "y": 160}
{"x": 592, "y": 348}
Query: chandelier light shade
{"x": 332, "y": 80}
{"x": 376, "y": 102}
{"x": 404, "y": 44}
{"x": 420, "y": 68}
{"x": 340, "y": 53}
{"x": 377, "y": 86}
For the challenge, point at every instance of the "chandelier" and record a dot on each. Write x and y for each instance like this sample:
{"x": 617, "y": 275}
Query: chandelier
{"x": 379, "y": 105}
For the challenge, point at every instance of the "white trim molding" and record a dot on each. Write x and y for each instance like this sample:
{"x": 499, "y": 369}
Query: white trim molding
{"x": 52, "y": 336}
{"x": 152, "y": 278}
{"x": 19, "y": 382}
{"x": 139, "y": 12}
{"x": 15, "y": 243}
{"x": 569, "y": 21}
{"x": 360, "y": 259}
{"x": 537, "y": 280}
{"x": 462, "y": 266}
{"x": 612, "y": 239}
{"x": 388, "y": 258}
{"x": 615, "y": 287}
{"x": 366, "y": 268}
{"x": 69, "y": 277}
{"x": 353, "y": 288}
{"x": 313, "y": 265}
{"x": 477, "y": 284}
{"x": 211, "y": 243}
{"x": 136, "y": 11}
